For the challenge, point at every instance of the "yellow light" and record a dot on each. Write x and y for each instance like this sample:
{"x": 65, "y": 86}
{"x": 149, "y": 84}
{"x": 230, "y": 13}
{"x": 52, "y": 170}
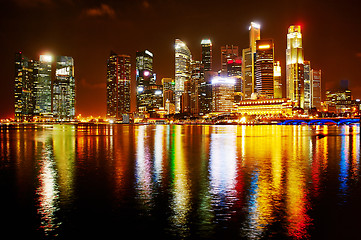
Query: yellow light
{"x": 264, "y": 46}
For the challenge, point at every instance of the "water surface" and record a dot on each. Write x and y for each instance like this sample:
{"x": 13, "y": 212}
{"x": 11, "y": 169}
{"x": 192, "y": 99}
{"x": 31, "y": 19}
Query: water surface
{"x": 180, "y": 182}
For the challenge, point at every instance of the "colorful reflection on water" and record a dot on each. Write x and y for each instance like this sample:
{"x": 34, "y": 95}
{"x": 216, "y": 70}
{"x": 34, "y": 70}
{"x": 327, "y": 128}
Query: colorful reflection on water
{"x": 182, "y": 182}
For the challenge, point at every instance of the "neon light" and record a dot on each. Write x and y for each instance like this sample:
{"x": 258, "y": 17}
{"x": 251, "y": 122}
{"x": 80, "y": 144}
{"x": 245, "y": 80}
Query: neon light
{"x": 206, "y": 41}
{"x": 224, "y": 80}
{"x": 264, "y": 46}
{"x": 255, "y": 25}
{"x": 149, "y": 53}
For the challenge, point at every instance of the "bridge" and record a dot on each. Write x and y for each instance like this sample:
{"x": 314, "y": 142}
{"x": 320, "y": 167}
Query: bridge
{"x": 319, "y": 121}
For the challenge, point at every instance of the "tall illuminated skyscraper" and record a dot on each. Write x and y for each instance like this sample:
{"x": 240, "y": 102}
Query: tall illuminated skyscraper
{"x": 254, "y": 35}
{"x": 207, "y": 54}
{"x": 118, "y": 85}
{"x": 223, "y": 94}
{"x": 264, "y": 68}
{"x": 316, "y": 88}
{"x": 144, "y": 78}
{"x": 307, "y": 84}
{"x": 182, "y": 71}
{"x": 295, "y": 66}
{"x": 232, "y": 66}
{"x": 168, "y": 90}
{"x": 249, "y": 60}
{"x": 64, "y": 89}
{"x": 277, "y": 80}
{"x": 25, "y": 79}
{"x": 247, "y": 73}
{"x": 43, "y": 106}
{"x": 228, "y": 52}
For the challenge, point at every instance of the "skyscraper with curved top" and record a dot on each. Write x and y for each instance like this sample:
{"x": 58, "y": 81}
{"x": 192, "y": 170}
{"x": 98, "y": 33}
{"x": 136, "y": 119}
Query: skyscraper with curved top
{"x": 295, "y": 66}
{"x": 182, "y": 71}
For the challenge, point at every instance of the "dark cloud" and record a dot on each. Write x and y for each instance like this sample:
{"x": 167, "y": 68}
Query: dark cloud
{"x": 103, "y": 10}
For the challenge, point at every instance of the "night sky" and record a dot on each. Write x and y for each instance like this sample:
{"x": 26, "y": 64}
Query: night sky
{"x": 88, "y": 30}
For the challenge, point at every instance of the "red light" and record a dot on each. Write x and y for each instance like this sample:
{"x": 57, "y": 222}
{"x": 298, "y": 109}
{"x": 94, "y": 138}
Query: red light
{"x": 230, "y": 61}
{"x": 238, "y": 61}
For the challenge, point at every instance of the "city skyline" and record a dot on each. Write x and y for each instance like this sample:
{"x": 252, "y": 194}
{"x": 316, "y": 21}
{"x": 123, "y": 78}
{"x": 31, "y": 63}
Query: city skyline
{"x": 90, "y": 73}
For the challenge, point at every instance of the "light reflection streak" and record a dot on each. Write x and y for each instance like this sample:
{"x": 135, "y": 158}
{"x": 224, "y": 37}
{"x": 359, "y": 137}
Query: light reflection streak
{"x": 265, "y": 189}
{"x": 64, "y": 155}
{"x": 223, "y": 171}
{"x": 48, "y": 190}
{"x": 297, "y": 202}
{"x": 181, "y": 203}
{"x": 143, "y": 170}
{"x": 158, "y": 153}
{"x": 120, "y": 143}
{"x": 355, "y": 170}
{"x": 344, "y": 161}
{"x": 205, "y": 208}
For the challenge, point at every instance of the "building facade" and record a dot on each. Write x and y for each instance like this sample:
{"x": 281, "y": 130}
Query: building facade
{"x": 64, "y": 89}
{"x": 43, "y": 107}
{"x": 266, "y": 107}
{"x": 264, "y": 85}
{"x": 182, "y": 71}
{"x": 118, "y": 85}
{"x": 144, "y": 78}
{"x": 249, "y": 60}
{"x": 228, "y": 52}
{"x": 223, "y": 94}
{"x": 295, "y": 66}
{"x": 168, "y": 90}
{"x": 307, "y": 84}
{"x": 206, "y": 45}
{"x": 277, "y": 80}
{"x": 247, "y": 73}
{"x": 316, "y": 88}
{"x": 25, "y": 95}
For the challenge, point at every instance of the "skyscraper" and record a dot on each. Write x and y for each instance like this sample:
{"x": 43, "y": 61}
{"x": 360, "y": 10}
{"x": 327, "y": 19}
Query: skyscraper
{"x": 247, "y": 73}
{"x": 197, "y": 77}
{"x": 316, "y": 88}
{"x": 254, "y": 35}
{"x": 168, "y": 90}
{"x": 223, "y": 94}
{"x": 228, "y": 52}
{"x": 264, "y": 68}
{"x": 182, "y": 71}
{"x": 43, "y": 107}
{"x": 249, "y": 60}
{"x": 64, "y": 89}
{"x": 118, "y": 85}
{"x": 295, "y": 66}
{"x": 207, "y": 54}
{"x": 307, "y": 84}
{"x": 24, "y": 88}
{"x": 144, "y": 77}
{"x": 277, "y": 80}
